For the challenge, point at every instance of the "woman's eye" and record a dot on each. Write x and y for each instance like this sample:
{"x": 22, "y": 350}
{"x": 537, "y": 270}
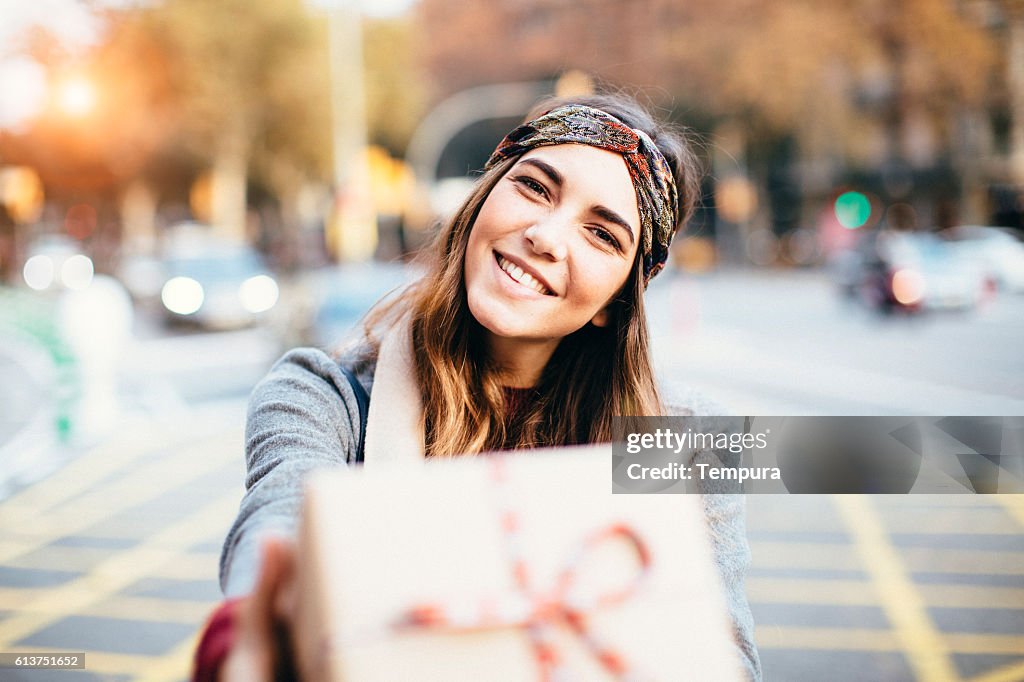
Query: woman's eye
{"x": 532, "y": 185}
{"x": 606, "y": 236}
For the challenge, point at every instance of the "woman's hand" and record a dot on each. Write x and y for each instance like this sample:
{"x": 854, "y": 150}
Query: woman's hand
{"x": 262, "y": 651}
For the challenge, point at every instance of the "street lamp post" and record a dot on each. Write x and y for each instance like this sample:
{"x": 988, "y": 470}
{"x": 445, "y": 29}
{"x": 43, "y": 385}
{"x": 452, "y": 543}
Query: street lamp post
{"x": 352, "y": 232}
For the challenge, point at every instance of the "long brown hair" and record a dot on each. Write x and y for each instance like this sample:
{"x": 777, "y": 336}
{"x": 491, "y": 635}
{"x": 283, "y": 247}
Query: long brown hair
{"x": 594, "y": 374}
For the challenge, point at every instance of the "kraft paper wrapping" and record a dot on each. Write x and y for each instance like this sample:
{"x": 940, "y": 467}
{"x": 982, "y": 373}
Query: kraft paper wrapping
{"x": 375, "y": 543}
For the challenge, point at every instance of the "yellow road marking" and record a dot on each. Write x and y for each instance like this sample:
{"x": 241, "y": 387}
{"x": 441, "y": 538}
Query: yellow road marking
{"x": 147, "y": 609}
{"x": 984, "y": 643}
{"x": 863, "y": 639}
{"x": 174, "y": 665}
{"x": 905, "y": 608}
{"x": 861, "y": 593}
{"x": 152, "y": 610}
{"x": 1014, "y": 506}
{"x": 142, "y": 485}
{"x": 1013, "y": 672}
{"x": 825, "y": 639}
{"x": 114, "y": 574}
{"x": 818, "y": 556}
{"x": 78, "y": 475}
{"x": 135, "y": 440}
{"x": 803, "y": 555}
{"x": 898, "y": 519}
{"x": 803, "y": 591}
{"x": 192, "y": 566}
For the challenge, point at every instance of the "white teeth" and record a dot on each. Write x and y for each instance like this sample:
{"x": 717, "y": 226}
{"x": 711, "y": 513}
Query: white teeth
{"x": 521, "y": 276}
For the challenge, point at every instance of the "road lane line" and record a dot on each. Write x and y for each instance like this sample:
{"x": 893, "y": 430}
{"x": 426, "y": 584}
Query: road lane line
{"x": 1013, "y": 672}
{"x": 865, "y": 639}
{"x": 142, "y": 485}
{"x": 824, "y": 639}
{"x": 818, "y": 556}
{"x": 120, "y": 570}
{"x": 193, "y": 566}
{"x": 921, "y": 641}
{"x": 1013, "y": 505}
{"x": 172, "y": 666}
{"x": 826, "y": 592}
{"x": 122, "y": 607}
{"x": 139, "y": 437}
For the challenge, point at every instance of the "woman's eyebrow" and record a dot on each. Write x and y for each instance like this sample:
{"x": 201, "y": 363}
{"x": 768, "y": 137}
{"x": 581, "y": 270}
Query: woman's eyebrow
{"x": 547, "y": 169}
{"x": 603, "y": 211}
{"x": 613, "y": 217}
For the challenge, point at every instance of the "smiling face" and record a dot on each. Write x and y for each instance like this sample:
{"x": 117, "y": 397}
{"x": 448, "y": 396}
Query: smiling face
{"x": 552, "y": 245}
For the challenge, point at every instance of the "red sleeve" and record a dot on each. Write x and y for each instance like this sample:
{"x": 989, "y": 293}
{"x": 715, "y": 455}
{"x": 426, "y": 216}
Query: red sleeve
{"x": 217, "y": 640}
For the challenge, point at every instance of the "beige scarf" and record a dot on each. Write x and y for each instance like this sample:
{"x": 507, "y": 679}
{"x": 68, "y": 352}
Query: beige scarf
{"x": 394, "y": 425}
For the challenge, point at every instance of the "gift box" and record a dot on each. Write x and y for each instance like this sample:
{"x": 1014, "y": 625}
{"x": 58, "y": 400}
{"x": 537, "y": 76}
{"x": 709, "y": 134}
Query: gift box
{"x": 512, "y": 567}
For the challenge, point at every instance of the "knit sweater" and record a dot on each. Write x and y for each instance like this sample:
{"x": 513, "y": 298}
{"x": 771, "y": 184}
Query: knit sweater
{"x": 304, "y": 415}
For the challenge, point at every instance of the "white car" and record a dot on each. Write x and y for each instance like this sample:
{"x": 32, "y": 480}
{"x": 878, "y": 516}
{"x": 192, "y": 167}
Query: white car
{"x": 218, "y": 288}
{"x": 996, "y": 251}
{"x": 56, "y": 262}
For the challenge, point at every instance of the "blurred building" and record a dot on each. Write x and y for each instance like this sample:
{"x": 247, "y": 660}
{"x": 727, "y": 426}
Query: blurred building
{"x": 824, "y": 98}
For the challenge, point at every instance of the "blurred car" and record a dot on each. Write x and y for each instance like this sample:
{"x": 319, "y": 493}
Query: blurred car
{"x": 56, "y": 262}
{"x": 998, "y": 253}
{"x": 336, "y": 298}
{"x": 909, "y": 272}
{"x": 218, "y": 287}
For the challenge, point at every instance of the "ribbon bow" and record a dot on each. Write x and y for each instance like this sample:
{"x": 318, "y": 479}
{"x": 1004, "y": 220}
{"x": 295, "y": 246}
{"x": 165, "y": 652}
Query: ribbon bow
{"x": 537, "y": 611}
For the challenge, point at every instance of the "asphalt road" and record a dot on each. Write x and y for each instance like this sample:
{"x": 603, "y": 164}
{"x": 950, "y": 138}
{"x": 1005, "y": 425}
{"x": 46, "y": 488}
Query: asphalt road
{"x": 115, "y": 553}
{"x": 785, "y": 343}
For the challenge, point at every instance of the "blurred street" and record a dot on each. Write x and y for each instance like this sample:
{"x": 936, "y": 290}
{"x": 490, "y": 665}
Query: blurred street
{"x": 189, "y": 189}
{"x": 786, "y": 343}
{"x": 115, "y": 553}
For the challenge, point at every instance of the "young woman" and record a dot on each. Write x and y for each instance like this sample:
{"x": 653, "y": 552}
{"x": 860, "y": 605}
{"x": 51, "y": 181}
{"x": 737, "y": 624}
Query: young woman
{"x": 527, "y": 330}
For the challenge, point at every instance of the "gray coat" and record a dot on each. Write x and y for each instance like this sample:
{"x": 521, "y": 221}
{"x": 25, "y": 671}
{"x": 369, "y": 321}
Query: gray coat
{"x": 304, "y": 416}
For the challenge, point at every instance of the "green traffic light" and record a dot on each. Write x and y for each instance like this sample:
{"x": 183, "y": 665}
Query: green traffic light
{"x": 853, "y": 209}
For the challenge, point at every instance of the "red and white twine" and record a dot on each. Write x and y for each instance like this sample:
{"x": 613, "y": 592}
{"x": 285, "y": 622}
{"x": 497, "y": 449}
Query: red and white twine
{"x": 539, "y": 611}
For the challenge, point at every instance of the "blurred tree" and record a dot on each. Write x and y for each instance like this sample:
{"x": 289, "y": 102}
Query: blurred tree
{"x": 248, "y": 82}
{"x": 395, "y": 91}
{"x": 236, "y": 91}
{"x": 867, "y": 82}
{"x": 1013, "y": 19}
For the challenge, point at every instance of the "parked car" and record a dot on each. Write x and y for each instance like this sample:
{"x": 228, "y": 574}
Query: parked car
{"x": 998, "y": 252}
{"x": 910, "y": 272}
{"x": 57, "y": 262}
{"x": 334, "y": 299}
{"x": 219, "y": 286}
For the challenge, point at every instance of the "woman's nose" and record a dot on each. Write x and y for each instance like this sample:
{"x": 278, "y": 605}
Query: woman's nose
{"x": 548, "y": 237}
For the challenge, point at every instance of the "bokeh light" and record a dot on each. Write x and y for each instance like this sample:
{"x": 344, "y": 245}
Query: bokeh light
{"x": 76, "y": 96}
{"x": 76, "y": 272}
{"x": 853, "y": 209}
{"x": 182, "y": 295}
{"x": 39, "y": 272}
{"x": 80, "y": 221}
{"x": 907, "y": 286}
{"x": 736, "y": 199}
{"x": 258, "y": 293}
{"x": 24, "y": 90}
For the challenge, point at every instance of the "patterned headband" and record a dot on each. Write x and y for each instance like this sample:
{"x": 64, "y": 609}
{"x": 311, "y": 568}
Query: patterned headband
{"x": 656, "y": 194}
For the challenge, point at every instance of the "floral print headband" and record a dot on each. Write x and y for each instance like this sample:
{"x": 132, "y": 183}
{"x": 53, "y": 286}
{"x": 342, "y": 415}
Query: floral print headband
{"x": 656, "y": 194}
